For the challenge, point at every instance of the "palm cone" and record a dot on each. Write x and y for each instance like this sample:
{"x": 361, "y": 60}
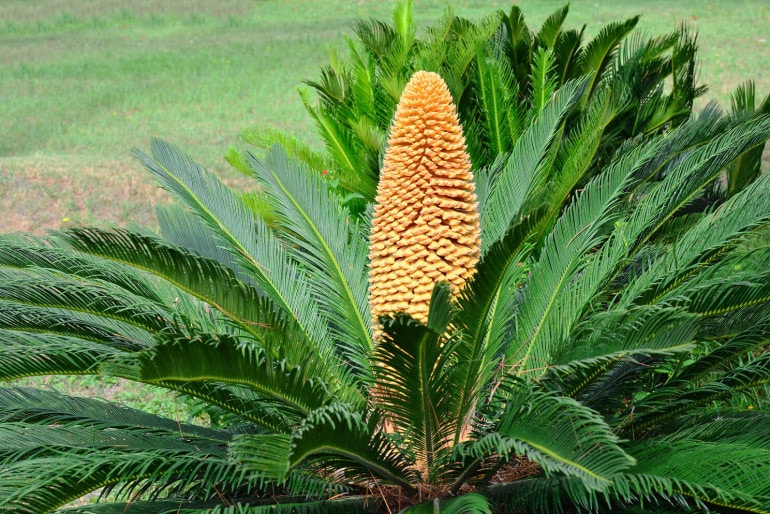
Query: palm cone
{"x": 426, "y": 221}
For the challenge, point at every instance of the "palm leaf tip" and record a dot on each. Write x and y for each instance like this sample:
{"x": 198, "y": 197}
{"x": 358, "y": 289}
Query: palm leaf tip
{"x": 426, "y": 222}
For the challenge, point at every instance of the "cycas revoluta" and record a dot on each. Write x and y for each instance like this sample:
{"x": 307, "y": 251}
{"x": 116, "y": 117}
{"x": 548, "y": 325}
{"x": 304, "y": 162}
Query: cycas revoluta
{"x": 596, "y": 361}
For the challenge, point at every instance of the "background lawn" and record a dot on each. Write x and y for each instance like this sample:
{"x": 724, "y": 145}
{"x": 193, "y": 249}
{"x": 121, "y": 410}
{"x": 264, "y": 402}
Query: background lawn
{"x": 84, "y": 81}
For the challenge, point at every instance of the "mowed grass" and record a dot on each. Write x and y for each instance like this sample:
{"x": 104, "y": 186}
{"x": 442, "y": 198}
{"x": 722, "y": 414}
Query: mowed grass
{"x": 84, "y": 81}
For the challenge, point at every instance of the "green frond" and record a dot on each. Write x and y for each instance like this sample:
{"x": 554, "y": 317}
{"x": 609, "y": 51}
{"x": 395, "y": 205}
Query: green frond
{"x": 523, "y": 170}
{"x": 28, "y": 354}
{"x": 49, "y": 408}
{"x": 487, "y": 314}
{"x": 329, "y": 243}
{"x": 543, "y": 82}
{"x": 403, "y": 20}
{"x": 496, "y": 95}
{"x": 687, "y": 176}
{"x": 471, "y": 503}
{"x": 745, "y": 170}
{"x": 299, "y": 387}
{"x": 57, "y": 448}
{"x": 633, "y": 493}
{"x": 283, "y": 504}
{"x": 561, "y": 435}
{"x": 680, "y": 397}
{"x": 23, "y": 441}
{"x": 183, "y": 228}
{"x": 556, "y": 293}
{"x": 466, "y": 38}
{"x": 268, "y": 137}
{"x": 538, "y": 495}
{"x": 45, "y": 483}
{"x": 366, "y": 105}
{"x": 266, "y": 456}
{"x": 684, "y": 69}
{"x": 574, "y": 161}
{"x": 203, "y": 278}
{"x": 248, "y": 239}
{"x": 333, "y": 435}
{"x": 518, "y": 44}
{"x": 21, "y": 252}
{"x": 600, "y": 51}
{"x": 747, "y": 428}
{"x": 707, "y": 240}
{"x": 45, "y": 289}
{"x": 567, "y": 50}
{"x": 296, "y": 505}
{"x": 144, "y": 507}
{"x": 414, "y": 385}
{"x": 730, "y": 475}
{"x": 709, "y": 296}
{"x": 67, "y": 323}
{"x": 618, "y": 335}
{"x": 350, "y": 166}
{"x": 551, "y": 28}
{"x": 750, "y": 337}
{"x": 376, "y": 35}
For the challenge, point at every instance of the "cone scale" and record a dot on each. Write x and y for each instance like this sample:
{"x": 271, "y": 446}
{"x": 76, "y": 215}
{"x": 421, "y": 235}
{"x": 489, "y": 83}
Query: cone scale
{"x": 426, "y": 223}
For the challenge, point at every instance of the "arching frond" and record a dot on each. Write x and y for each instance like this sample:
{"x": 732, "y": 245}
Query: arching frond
{"x": 300, "y": 386}
{"x": 67, "y": 323}
{"x": 555, "y": 293}
{"x": 486, "y": 317}
{"x": 249, "y": 240}
{"x": 203, "y": 278}
{"x": 551, "y": 28}
{"x": 681, "y": 397}
{"x": 25, "y": 354}
{"x": 266, "y": 138}
{"x": 524, "y": 169}
{"x": 329, "y": 243}
{"x": 728, "y": 475}
{"x": 600, "y": 50}
{"x": 688, "y": 176}
{"x": 333, "y": 435}
{"x": 704, "y": 242}
{"x": 558, "y": 433}
{"x": 617, "y": 335}
{"x": 46, "y": 289}
{"x": 17, "y": 251}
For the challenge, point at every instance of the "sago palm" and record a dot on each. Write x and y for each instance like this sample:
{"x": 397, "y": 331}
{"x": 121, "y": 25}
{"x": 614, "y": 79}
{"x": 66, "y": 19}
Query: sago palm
{"x": 522, "y": 347}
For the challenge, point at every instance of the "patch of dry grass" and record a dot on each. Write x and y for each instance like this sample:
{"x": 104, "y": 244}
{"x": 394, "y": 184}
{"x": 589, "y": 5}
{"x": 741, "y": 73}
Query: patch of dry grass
{"x": 51, "y": 193}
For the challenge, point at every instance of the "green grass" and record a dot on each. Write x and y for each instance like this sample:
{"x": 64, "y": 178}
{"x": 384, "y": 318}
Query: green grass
{"x": 82, "y": 82}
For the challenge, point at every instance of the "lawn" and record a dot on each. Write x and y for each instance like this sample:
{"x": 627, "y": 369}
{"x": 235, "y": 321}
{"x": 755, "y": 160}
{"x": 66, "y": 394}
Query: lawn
{"x": 82, "y": 82}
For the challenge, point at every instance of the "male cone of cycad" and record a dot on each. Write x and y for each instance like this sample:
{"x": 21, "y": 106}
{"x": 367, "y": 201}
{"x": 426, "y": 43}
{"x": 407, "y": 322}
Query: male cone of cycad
{"x": 426, "y": 221}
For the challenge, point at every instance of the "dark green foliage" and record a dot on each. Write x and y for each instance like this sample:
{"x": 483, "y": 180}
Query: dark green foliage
{"x": 601, "y": 359}
{"x": 502, "y": 74}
